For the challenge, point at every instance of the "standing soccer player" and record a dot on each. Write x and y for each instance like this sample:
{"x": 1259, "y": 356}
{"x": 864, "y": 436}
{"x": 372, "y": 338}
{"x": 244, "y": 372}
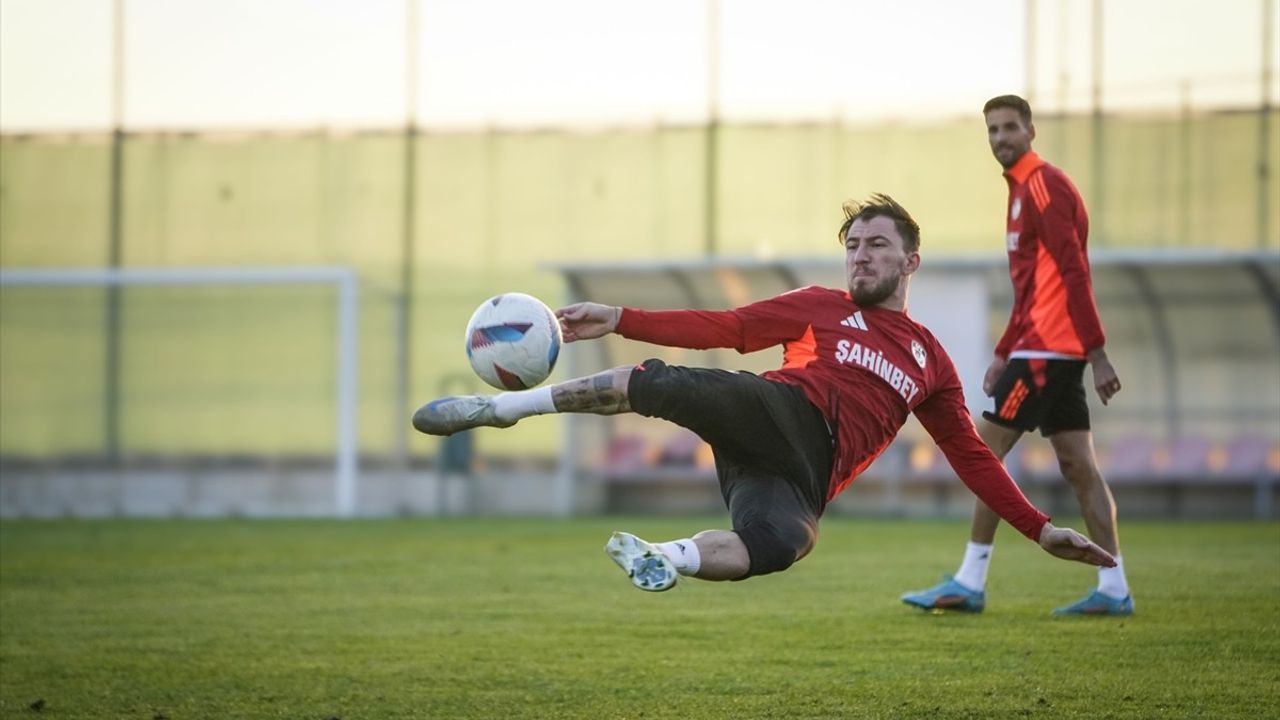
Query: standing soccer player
{"x": 788, "y": 441}
{"x": 1036, "y": 378}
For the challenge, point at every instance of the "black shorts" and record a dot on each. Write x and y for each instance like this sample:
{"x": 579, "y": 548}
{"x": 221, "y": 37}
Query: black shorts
{"x": 1041, "y": 393}
{"x": 773, "y": 449}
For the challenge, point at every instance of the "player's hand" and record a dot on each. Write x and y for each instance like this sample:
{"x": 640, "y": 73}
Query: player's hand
{"x": 1105, "y": 380}
{"x": 585, "y": 321}
{"x": 1071, "y": 545}
{"x": 993, "y": 374}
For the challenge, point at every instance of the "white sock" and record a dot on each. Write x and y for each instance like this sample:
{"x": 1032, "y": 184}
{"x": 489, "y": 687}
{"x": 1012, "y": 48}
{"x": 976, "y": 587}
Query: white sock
{"x": 1111, "y": 581}
{"x": 523, "y": 403}
{"x": 973, "y": 570}
{"x": 683, "y": 554}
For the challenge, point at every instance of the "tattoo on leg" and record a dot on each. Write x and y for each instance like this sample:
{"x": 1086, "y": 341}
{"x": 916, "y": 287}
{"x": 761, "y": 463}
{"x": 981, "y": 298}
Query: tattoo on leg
{"x": 603, "y": 393}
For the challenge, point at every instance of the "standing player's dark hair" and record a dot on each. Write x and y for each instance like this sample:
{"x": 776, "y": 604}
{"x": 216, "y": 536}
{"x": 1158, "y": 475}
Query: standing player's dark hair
{"x": 1013, "y": 102}
{"x": 881, "y": 205}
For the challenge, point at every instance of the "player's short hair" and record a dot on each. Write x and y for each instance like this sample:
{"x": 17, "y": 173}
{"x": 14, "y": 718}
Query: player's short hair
{"x": 881, "y": 205}
{"x": 1013, "y": 102}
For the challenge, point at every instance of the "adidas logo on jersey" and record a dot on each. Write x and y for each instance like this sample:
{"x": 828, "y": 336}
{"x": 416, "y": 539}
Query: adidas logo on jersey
{"x": 855, "y": 321}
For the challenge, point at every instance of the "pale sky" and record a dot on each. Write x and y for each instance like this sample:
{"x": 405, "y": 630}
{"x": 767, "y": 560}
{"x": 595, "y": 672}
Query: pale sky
{"x": 205, "y": 64}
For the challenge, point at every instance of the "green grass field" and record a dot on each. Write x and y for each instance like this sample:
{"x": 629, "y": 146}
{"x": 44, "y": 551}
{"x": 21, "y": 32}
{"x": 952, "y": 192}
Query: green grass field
{"x": 528, "y": 619}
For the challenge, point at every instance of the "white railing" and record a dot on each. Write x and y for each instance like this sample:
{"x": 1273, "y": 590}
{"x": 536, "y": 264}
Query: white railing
{"x": 346, "y": 467}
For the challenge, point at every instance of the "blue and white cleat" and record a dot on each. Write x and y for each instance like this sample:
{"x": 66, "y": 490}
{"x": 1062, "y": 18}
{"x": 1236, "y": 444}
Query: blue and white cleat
{"x": 1095, "y": 603}
{"x": 449, "y": 415}
{"x": 645, "y": 564}
{"x": 948, "y": 595}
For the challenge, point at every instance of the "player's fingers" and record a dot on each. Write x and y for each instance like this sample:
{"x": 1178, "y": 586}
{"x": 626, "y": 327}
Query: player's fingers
{"x": 1098, "y": 556}
{"x": 989, "y": 386}
{"x": 570, "y": 312}
{"x": 1107, "y": 390}
{"x": 1090, "y": 552}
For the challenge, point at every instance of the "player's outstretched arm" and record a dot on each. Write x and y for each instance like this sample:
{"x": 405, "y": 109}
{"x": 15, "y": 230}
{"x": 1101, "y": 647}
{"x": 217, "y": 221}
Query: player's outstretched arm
{"x": 1071, "y": 545}
{"x": 587, "y": 320}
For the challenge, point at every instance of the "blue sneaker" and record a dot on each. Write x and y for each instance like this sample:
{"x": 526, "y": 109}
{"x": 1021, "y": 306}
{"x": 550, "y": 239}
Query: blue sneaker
{"x": 949, "y": 595}
{"x": 1095, "y": 603}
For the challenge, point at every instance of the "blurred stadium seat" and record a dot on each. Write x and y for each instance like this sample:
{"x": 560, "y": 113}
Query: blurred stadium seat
{"x": 1131, "y": 457}
{"x": 625, "y": 455}
{"x": 1248, "y": 455}
{"x": 681, "y": 450}
{"x": 1185, "y": 457}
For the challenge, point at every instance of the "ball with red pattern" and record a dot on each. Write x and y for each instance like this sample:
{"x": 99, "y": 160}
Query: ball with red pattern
{"x": 513, "y": 341}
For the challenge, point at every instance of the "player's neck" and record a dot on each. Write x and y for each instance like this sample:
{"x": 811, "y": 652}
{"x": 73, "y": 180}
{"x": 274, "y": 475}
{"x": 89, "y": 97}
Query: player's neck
{"x": 897, "y": 302}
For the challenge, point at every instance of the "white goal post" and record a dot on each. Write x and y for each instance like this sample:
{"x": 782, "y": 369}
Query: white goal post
{"x": 342, "y": 278}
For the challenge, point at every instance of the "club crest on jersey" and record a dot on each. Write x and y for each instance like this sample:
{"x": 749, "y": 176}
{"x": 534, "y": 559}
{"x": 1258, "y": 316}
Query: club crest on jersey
{"x": 917, "y": 351}
{"x": 1016, "y": 209}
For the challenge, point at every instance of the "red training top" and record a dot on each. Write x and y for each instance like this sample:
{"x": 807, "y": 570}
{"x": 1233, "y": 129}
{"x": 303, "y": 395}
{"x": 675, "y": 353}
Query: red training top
{"x": 1054, "y": 315}
{"x": 864, "y": 369}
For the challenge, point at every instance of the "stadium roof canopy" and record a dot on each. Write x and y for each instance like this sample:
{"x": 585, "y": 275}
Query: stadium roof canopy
{"x": 1194, "y": 334}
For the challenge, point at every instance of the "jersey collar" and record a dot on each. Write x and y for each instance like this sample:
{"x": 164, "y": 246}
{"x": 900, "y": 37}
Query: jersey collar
{"x": 1022, "y": 169}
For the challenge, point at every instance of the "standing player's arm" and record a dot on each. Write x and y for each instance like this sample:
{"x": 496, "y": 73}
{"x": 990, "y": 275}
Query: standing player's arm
{"x": 1004, "y": 345}
{"x": 994, "y": 370}
{"x": 1061, "y": 238}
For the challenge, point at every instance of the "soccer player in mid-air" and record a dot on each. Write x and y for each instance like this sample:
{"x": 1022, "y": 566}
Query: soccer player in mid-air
{"x": 1036, "y": 377}
{"x": 788, "y": 441}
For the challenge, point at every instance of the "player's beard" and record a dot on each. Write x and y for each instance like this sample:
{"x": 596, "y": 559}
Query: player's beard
{"x": 876, "y": 294}
{"x": 1015, "y": 154}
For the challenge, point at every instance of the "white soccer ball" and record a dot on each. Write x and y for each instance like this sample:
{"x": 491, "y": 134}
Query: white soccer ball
{"x": 513, "y": 341}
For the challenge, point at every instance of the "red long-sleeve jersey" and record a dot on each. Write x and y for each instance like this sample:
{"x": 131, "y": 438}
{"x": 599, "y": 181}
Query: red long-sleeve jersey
{"x": 1054, "y": 314}
{"x": 864, "y": 369}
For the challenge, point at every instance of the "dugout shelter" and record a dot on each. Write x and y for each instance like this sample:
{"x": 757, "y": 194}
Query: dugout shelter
{"x": 1194, "y": 335}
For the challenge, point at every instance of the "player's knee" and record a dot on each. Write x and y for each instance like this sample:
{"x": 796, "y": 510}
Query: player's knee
{"x": 652, "y": 388}
{"x": 775, "y": 545}
{"x": 1077, "y": 468}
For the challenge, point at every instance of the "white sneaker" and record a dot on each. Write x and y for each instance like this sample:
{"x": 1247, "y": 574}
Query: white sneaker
{"x": 645, "y": 564}
{"x": 449, "y": 415}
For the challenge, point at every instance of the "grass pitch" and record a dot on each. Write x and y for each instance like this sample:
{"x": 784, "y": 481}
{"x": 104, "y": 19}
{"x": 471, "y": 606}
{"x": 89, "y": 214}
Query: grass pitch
{"x": 522, "y": 618}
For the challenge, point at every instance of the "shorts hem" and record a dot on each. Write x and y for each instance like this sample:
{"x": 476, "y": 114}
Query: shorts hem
{"x": 1008, "y": 424}
{"x": 1049, "y": 432}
